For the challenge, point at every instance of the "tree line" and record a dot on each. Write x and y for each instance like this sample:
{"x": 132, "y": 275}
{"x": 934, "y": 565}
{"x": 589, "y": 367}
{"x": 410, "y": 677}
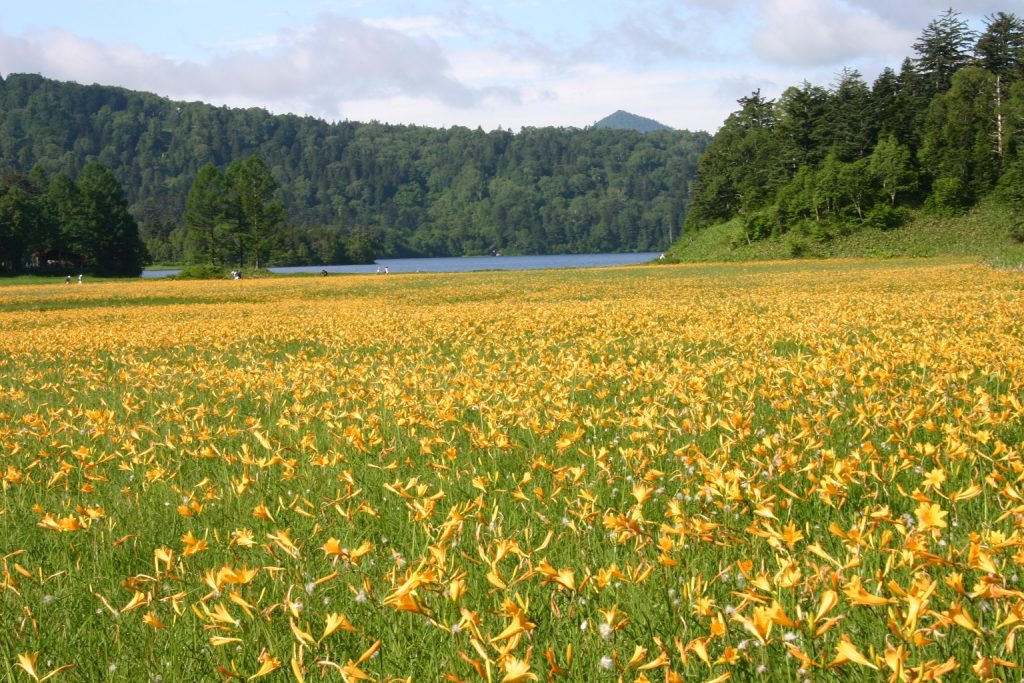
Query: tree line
{"x": 942, "y": 133}
{"x": 347, "y": 188}
{"x": 64, "y": 224}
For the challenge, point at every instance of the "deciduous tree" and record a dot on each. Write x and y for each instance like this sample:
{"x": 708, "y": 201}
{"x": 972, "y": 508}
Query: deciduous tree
{"x": 891, "y": 166}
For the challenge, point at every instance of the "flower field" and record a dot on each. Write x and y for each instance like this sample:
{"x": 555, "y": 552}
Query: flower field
{"x": 794, "y": 471}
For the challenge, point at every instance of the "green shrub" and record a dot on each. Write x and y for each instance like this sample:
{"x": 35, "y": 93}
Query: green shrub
{"x": 1017, "y": 228}
{"x": 257, "y": 273}
{"x": 799, "y": 248}
{"x": 948, "y": 196}
{"x": 820, "y": 231}
{"x": 1011, "y": 185}
{"x": 884, "y": 217}
{"x": 758, "y": 225}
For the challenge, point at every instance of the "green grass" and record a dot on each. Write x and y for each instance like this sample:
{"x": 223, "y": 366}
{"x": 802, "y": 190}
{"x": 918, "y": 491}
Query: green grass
{"x": 15, "y": 280}
{"x": 983, "y": 233}
{"x": 31, "y": 279}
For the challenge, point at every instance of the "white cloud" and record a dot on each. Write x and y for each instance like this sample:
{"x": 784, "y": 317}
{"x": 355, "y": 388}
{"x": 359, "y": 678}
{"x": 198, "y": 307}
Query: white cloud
{"x": 681, "y": 98}
{"x": 825, "y": 32}
{"x": 319, "y": 69}
{"x": 462, "y": 62}
{"x": 398, "y": 71}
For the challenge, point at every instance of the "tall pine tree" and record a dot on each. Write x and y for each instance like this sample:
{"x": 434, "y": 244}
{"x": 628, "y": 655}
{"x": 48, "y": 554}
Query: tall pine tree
{"x": 957, "y": 146}
{"x": 205, "y": 216}
{"x": 1000, "y": 50}
{"x": 107, "y": 234}
{"x": 849, "y": 117}
{"x": 257, "y": 214}
{"x": 943, "y": 48}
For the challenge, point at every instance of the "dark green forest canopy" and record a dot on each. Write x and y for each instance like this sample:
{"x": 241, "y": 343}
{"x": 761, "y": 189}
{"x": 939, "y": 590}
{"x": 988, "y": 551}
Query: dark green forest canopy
{"x": 941, "y": 134}
{"x": 64, "y": 225}
{"x": 415, "y": 190}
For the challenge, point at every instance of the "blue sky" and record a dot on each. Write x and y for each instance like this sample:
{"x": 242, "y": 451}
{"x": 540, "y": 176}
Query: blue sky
{"x": 460, "y": 62}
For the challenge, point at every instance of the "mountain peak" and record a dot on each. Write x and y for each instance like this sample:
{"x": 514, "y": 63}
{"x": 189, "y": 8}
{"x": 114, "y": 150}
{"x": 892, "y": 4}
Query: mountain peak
{"x": 623, "y": 120}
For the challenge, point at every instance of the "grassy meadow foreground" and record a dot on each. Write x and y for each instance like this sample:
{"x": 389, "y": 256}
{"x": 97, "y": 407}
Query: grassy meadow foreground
{"x": 794, "y": 471}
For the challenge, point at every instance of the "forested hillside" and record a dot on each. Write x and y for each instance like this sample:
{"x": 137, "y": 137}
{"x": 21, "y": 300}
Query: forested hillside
{"x": 414, "y": 190}
{"x": 938, "y": 136}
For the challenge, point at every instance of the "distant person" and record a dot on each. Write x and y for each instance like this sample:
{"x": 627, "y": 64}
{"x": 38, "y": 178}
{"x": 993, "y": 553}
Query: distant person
{"x": 386, "y": 271}
{"x": 378, "y": 270}
{"x": 67, "y": 280}
{"x": 323, "y": 272}
{"x": 79, "y": 278}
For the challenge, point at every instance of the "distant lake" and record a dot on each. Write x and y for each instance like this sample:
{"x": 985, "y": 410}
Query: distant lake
{"x": 462, "y": 264}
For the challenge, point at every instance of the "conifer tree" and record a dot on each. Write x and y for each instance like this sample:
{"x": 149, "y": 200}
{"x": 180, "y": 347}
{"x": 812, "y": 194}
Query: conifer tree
{"x": 849, "y": 117}
{"x": 957, "y": 145}
{"x": 1000, "y": 50}
{"x": 108, "y": 236}
{"x": 205, "y": 215}
{"x": 944, "y": 47}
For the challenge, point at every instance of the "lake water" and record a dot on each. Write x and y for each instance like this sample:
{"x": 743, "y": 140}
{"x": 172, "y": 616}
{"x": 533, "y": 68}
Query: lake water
{"x": 457, "y": 264}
